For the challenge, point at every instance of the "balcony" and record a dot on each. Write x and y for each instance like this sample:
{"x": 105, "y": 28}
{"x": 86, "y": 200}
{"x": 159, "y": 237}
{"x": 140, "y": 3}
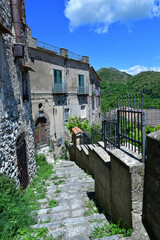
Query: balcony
{"x": 83, "y": 90}
{"x": 60, "y": 88}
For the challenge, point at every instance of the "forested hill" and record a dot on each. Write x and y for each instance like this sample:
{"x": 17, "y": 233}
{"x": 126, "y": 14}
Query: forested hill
{"x": 115, "y": 83}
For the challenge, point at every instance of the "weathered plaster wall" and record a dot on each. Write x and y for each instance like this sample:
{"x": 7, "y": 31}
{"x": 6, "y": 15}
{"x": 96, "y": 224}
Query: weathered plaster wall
{"x": 43, "y": 62}
{"x": 151, "y": 202}
{"x": 15, "y": 113}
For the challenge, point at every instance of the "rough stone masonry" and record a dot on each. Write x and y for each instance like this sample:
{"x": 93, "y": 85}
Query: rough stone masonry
{"x": 16, "y": 127}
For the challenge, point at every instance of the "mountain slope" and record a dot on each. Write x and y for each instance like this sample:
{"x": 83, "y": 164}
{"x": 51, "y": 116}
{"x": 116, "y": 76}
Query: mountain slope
{"x": 115, "y": 83}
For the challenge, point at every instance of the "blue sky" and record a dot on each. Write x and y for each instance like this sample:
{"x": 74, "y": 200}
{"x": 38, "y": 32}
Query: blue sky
{"x": 123, "y": 34}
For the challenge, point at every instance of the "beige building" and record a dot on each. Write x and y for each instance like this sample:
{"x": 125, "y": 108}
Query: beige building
{"x": 61, "y": 88}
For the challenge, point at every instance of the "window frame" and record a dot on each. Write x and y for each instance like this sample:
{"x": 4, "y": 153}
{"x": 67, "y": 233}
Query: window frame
{"x": 54, "y": 71}
{"x": 84, "y": 110}
{"x": 66, "y": 119}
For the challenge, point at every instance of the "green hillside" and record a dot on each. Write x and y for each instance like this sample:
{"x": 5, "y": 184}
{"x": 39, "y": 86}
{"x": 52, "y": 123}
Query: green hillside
{"x": 115, "y": 83}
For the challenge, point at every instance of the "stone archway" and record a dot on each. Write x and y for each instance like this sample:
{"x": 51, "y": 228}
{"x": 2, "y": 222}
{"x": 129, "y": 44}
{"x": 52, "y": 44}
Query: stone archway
{"x": 42, "y": 129}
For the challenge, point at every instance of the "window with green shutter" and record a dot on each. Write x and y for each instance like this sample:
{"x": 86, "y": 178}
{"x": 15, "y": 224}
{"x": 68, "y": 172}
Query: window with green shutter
{"x": 57, "y": 76}
{"x": 81, "y": 80}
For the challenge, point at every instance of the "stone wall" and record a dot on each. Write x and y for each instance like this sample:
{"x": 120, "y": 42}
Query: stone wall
{"x": 15, "y": 111}
{"x": 118, "y": 182}
{"x": 151, "y": 202}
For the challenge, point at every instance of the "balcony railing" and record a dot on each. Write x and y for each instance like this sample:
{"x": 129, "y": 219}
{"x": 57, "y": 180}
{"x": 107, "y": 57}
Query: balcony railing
{"x": 60, "y": 88}
{"x": 57, "y": 50}
{"x": 83, "y": 90}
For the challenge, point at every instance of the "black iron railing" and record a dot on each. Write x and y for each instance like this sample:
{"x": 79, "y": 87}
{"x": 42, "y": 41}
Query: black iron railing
{"x": 124, "y": 126}
{"x": 83, "y": 90}
{"x": 60, "y": 88}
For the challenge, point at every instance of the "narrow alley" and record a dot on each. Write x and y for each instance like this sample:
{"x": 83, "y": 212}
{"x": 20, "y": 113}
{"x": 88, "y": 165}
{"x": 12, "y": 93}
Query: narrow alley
{"x": 74, "y": 214}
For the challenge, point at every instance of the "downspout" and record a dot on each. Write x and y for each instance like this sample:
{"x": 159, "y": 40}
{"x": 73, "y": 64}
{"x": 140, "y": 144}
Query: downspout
{"x": 89, "y": 97}
{"x": 65, "y": 85}
{"x": 16, "y": 20}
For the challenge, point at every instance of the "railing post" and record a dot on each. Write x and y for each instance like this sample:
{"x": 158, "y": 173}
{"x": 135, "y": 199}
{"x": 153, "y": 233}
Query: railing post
{"x": 143, "y": 135}
{"x": 118, "y": 127}
{"x": 105, "y": 134}
{"x": 91, "y": 135}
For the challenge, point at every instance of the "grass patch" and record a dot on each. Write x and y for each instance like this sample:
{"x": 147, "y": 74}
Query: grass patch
{"x": 33, "y": 234}
{"x": 96, "y": 221}
{"x": 110, "y": 229}
{"x": 59, "y": 182}
{"x": 46, "y": 221}
{"x": 55, "y": 178}
{"x": 53, "y": 203}
{"x": 57, "y": 191}
{"x": 16, "y": 205}
{"x": 91, "y": 208}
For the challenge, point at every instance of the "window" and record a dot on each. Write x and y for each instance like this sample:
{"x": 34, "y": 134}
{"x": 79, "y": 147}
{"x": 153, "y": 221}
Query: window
{"x": 25, "y": 91}
{"x": 92, "y": 103}
{"x": 57, "y": 76}
{"x": 57, "y": 86}
{"x": 66, "y": 114}
{"x": 81, "y": 80}
{"x": 83, "y": 111}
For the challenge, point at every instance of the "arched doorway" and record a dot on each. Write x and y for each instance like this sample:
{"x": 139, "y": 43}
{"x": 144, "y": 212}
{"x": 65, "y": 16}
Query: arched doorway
{"x": 41, "y": 135}
{"x": 22, "y": 161}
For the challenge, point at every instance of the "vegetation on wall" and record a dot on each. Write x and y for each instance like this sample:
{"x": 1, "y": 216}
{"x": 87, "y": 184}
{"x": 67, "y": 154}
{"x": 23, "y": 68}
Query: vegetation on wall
{"x": 77, "y": 122}
{"x": 115, "y": 83}
{"x": 17, "y": 205}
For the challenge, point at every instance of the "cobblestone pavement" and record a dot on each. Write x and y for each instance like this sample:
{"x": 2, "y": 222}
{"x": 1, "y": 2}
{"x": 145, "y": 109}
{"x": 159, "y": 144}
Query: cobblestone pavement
{"x": 75, "y": 216}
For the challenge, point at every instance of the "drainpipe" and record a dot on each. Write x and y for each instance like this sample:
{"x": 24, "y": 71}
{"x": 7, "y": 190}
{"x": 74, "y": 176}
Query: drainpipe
{"x": 89, "y": 97}
{"x": 65, "y": 83}
{"x": 16, "y": 20}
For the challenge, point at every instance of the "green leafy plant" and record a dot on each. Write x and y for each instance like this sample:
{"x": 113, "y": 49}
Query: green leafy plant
{"x": 59, "y": 182}
{"x": 77, "y": 122}
{"x": 15, "y": 211}
{"x": 57, "y": 191}
{"x": 110, "y": 229}
{"x": 91, "y": 208}
{"x": 17, "y": 205}
{"x": 53, "y": 203}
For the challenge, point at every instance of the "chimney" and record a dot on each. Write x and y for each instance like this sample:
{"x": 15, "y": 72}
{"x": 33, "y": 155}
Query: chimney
{"x": 64, "y": 52}
{"x": 85, "y": 59}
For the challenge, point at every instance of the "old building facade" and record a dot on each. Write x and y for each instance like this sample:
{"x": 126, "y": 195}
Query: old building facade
{"x": 62, "y": 86}
{"x": 16, "y": 125}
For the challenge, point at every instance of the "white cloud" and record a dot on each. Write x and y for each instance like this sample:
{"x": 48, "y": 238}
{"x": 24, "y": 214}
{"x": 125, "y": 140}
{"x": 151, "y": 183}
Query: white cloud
{"x": 137, "y": 69}
{"x": 102, "y": 13}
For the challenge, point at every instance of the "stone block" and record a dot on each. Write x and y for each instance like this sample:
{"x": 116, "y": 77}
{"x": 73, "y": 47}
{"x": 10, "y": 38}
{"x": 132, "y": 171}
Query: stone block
{"x": 126, "y": 186}
{"x": 102, "y": 178}
{"x": 151, "y": 200}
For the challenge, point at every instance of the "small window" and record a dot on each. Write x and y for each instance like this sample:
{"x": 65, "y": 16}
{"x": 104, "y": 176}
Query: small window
{"x": 92, "y": 103}
{"x": 57, "y": 76}
{"x": 83, "y": 111}
{"x": 81, "y": 80}
{"x": 25, "y": 91}
{"x": 66, "y": 114}
{"x": 40, "y": 105}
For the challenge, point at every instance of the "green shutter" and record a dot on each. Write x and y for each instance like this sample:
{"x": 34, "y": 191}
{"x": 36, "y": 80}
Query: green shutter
{"x": 57, "y": 77}
{"x": 81, "y": 80}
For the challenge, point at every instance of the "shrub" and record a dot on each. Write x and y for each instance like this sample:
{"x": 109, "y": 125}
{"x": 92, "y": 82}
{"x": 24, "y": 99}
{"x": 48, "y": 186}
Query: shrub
{"x": 14, "y": 209}
{"x": 77, "y": 122}
{"x": 16, "y": 205}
